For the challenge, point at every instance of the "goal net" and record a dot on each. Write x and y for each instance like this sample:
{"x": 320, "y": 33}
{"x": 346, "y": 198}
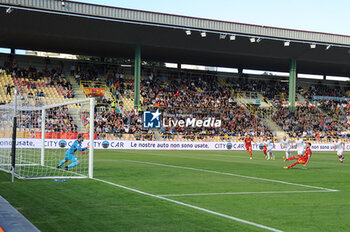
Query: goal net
{"x": 45, "y": 130}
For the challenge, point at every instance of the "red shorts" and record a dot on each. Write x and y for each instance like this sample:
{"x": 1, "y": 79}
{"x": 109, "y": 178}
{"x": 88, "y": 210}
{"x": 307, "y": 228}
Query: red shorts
{"x": 301, "y": 161}
{"x": 249, "y": 148}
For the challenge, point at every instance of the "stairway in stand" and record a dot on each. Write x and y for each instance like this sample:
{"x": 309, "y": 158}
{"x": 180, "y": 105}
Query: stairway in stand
{"x": 78, "y": 94}
{"x": 78, "y": 91}
{"x": 264, "y": 113}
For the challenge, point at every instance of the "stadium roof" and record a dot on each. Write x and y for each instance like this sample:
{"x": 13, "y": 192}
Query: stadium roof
{"x": 80, "y": 28}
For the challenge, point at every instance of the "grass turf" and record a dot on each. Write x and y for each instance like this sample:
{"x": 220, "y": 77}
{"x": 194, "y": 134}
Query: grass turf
{"x": 83, "y": 205}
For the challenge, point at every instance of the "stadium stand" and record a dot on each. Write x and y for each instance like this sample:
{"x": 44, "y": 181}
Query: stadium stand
{"x": 255, "y": 104}
{"x": 307, "y": 121}
{"x": 37, "y": 88}
{"x": 180, "y": 97}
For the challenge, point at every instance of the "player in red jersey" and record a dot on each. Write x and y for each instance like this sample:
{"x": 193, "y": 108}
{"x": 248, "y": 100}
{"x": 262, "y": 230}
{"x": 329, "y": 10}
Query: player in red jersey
{"x": 301, "y": 159}
{"x": 248, "y": 145}
{"x": 265, "y": 147}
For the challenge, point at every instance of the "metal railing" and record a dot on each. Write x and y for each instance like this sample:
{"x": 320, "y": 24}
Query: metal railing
{"x": 264, "y": 113}
{"x": 85, "y": 85}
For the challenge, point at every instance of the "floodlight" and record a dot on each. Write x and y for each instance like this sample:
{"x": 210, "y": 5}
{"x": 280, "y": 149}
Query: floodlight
{"x": 232, "y": 37}
{"x": 222, "y": 36}
{"x": 203, "y": 34}
{"x": 258, "y": 40}
{"x": 312, "y": 45}
{"x": 9, "y": 10}
{"x": 328, "y": 47}
{"x": 188, "y": 32}
{"x": 286, "y": 43}
{"x": 252, "y": 40}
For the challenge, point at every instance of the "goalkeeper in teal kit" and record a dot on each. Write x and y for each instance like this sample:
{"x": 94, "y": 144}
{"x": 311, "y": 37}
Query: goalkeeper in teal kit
{"x": 70, "y": 153}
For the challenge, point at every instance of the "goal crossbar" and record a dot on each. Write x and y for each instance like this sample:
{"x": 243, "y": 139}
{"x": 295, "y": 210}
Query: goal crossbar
{"x": 37, "y": 159}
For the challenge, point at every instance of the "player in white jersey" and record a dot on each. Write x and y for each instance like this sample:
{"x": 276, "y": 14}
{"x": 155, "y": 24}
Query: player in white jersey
{"x": 286, "y": 144}
{"x": 300, "y": 145}
{"x": 339, "y": 146}
{"x": 269, "y": 146}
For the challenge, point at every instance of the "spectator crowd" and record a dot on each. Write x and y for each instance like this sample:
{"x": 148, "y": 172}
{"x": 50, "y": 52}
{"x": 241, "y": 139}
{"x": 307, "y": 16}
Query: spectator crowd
{"x": 179, "y": 97}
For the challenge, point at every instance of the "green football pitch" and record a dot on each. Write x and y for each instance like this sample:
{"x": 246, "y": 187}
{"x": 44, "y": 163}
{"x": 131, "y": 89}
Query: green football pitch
{"x": 190, "y": 191}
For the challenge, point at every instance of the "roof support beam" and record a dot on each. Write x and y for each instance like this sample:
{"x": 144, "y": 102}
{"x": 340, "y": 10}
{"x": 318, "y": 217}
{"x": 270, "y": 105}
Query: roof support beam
{"x": 292, "y": 84}
{"x": 137, "y": 76}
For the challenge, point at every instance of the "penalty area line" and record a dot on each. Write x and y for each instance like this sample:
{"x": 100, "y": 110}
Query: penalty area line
{"x": 232, "y": 174}
{"x": 191, "y": 206}
{"x": 242, "y": 193}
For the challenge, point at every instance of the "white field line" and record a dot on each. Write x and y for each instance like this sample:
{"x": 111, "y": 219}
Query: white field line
{"x": 191, "y": 206}
{"x": 219, "y": 155}
{"x": 241, "y": 193}
{"x": 231, "y": 174}
{"x": 53, "y": 177}
{"x": 19, "y": 165}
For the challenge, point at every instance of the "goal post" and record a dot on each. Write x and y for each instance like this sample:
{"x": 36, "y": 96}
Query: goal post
{"x": 42, "y": 160}
{"x": 46, "y": 129}
{"x": 91, "y": 135}
{"x": 14, "y": 133}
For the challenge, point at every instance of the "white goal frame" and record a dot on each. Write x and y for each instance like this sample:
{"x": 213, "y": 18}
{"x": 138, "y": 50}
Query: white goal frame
{"x": 91, "y": 131}
{"x": 15, "y": 107}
